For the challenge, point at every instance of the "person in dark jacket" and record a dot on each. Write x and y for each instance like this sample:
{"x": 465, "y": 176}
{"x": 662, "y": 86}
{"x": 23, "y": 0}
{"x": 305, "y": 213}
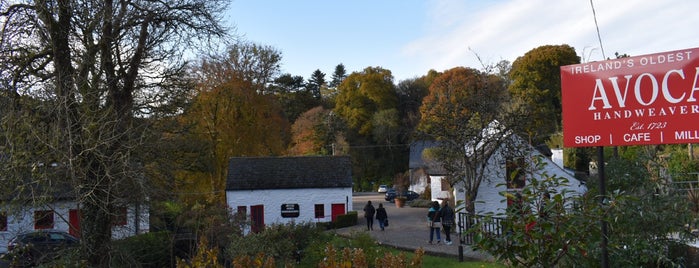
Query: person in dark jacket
{"x": 433, "y": 221}
{"x": 369, "y": 211}
{"x": 381, "y": 216}
{"x": 447, "y": 215}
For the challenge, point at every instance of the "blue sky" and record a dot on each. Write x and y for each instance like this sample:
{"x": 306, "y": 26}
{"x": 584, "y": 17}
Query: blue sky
{"x": 410, "y": 37}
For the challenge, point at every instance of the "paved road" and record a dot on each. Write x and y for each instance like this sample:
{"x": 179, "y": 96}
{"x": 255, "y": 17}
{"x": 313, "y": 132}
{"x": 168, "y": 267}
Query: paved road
{"x": 407, "y": 229}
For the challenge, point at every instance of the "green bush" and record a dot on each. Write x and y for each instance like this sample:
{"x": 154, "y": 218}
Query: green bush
{"x": 346, "y": 220}
{"x": 145, "y": 250}
{"x": 420, "y": 203}
{"x": 282, "y": 242}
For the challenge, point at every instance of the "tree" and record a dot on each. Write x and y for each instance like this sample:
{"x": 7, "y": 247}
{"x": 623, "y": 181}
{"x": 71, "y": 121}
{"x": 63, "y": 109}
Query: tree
{"x": 366, "y": 99}
{"x": 292, "y": 95}
{"x": 87, "y": 69}
{"x": 339, "y": 75}
{"x": 461, "y": 113}
{"x": 316, "y": 83}
{"x": 252, "y": 62}
{"x": 536, "y": 85}
{"x": 317, "y": 132}
{"x": 363, "y": 94}
{"x": 410, "y": 94}
{"x": 232, "y": 116}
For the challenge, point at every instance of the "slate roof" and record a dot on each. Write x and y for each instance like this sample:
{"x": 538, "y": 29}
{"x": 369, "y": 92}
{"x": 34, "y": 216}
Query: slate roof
{"x": 257, "y": 173}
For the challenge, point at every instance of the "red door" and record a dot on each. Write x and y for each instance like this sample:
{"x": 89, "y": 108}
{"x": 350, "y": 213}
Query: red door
{"x": 257, "y": 215}
{"x": 74, "y": 222}
{"x": 337, "y": 209}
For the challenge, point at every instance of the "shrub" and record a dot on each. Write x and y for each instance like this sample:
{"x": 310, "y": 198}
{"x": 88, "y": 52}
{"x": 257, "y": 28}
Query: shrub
{"x": 281, "y": 242}
{"x": 346, "y": 220}
{"x": 145, "y": 250}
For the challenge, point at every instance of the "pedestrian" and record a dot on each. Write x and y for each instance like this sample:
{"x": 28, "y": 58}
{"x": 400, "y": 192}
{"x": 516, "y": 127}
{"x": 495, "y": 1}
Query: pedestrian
{"x": 381, "y": 216}
{"x": 447, "y": 215}
{"x": 369, "y": 211}
{"x": 433, "y": 221}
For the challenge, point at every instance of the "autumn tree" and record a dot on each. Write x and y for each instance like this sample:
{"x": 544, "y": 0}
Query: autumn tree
{"x": 464, "y": 114}
{"x": 80, "y": 72}
{"x": 232, "y": 116}
{"x": 367, "y": 103}
{"x": 536, "y": 86}
{"x": 317, "y": 132}
{"x": 362, "y": 94}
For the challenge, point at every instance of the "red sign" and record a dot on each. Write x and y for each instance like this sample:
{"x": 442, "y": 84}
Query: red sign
{"x": 649, "y": 99}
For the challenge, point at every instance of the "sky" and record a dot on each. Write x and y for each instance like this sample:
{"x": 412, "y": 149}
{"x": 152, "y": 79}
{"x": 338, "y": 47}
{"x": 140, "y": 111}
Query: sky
{"x": 411, "y": 37}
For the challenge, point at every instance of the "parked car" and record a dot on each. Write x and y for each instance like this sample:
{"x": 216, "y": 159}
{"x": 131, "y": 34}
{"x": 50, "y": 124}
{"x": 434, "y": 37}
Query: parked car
{"x": 409, "y": 195}
{"x": 33, "y": 248}
{"x": 383, "y": 188}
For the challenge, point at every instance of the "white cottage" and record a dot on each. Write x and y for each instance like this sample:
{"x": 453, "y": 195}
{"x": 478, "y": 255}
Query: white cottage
{"x": 495, "y": 175}
{"x": 63, "y": 214}
{"x": 280, "y": 190}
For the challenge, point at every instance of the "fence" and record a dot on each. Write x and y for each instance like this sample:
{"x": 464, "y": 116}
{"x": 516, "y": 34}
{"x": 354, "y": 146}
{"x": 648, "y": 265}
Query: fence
{"x": 487, "y": 224}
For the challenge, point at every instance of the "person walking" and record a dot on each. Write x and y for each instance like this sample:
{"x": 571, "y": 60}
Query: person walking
{"x": 447, "y": 215}
{"x": 369, "y": 211}
{"x": 433, "y": 221}
{"x": 381, "y": 216}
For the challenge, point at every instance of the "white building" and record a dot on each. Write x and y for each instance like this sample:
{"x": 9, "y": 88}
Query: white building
{"x": 495, "y": 174}
{"x": 64, "y": 215}
{"x": 280, "y": 190}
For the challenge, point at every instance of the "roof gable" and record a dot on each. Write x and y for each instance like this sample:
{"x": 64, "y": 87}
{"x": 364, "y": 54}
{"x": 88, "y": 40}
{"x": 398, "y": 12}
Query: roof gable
{"x": 256, "y": 173}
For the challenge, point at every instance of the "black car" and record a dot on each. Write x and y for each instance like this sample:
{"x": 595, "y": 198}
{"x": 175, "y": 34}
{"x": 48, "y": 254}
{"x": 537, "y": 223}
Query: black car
{"x": 409, "y": 195}
{"x": 33, "y": 248}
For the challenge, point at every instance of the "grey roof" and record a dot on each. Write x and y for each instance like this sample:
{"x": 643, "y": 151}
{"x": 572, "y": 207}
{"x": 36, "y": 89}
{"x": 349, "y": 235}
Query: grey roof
{"x": 257, "y": 173}
{"x": 416, "y": 160}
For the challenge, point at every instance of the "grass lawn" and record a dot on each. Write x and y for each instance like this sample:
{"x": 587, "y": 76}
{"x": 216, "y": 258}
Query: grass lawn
{"x": 447, "y": 262}
{"x": 371, "y": 251}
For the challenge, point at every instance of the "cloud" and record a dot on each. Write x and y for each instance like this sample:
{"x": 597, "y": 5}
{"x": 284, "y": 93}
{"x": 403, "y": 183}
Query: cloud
{"x": 455, "y": 31}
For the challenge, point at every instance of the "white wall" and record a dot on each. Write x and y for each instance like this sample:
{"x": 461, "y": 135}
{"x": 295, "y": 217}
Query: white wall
{"x": 305, "y": 198}
{"x": 23, "y": 221}
{"x": 419, "y": 182}
{"x": 489, "y": 198}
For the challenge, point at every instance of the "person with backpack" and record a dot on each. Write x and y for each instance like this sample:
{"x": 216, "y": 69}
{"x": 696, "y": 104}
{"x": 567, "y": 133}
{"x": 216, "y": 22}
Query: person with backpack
{"x": 381, "y": 216}
{"x": 433, "y": 221}
{"x": 447, "y": 215}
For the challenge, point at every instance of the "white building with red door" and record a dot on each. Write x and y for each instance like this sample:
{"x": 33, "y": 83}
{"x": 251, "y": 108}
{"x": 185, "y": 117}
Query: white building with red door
{"x": 281, "y": 190}
{"x": 62, "y": 214}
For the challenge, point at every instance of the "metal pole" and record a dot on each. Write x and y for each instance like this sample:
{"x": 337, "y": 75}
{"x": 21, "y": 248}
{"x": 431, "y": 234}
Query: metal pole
{"x": 603, "y": 196}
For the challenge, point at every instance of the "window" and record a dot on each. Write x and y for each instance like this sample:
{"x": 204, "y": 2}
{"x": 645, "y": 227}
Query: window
{"x": 320, "y": 211}
{"x": 241, "y": 213}
{"x": 119, "y": 218}
{"x": 43, "y": 219}
{"x": 3, "y": 221}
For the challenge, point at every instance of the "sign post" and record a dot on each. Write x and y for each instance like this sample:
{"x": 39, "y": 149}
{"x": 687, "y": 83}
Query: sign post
{"x": 643, "y": 100}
